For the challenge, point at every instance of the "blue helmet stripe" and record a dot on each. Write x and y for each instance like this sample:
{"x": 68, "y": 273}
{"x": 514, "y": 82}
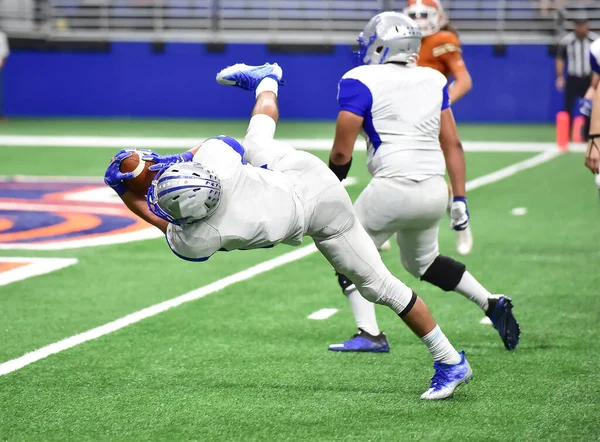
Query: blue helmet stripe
{"x": 172, "y": 189}
{"x": 184, "y": 177}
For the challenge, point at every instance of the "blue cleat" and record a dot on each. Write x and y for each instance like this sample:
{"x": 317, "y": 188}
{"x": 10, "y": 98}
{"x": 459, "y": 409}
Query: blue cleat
{"x": 249, "y": 77}
{"x": 500, "y": 313}
{"x": 364, "y": 342}
{"x": 447, "y": 378}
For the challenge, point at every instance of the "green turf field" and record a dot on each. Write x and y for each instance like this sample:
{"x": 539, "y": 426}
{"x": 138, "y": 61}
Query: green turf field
{"x": 245, "y": 363}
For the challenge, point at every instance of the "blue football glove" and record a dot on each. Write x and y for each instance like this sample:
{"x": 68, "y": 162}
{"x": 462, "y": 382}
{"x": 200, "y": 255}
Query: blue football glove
{"x": 161, "y": 160}
{"x": 585, "y": 106}
{"x": 113, "y": 177}
{"x": 459, "y": 214}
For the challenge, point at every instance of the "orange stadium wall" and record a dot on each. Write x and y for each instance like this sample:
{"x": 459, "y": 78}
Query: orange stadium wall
{"x": 176, "y": 80}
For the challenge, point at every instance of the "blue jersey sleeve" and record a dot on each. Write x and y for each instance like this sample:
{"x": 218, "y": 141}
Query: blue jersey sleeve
{"x": 355, "y": 97}
{"x": 445, "y": 98}
{"x": 234, "y": 144}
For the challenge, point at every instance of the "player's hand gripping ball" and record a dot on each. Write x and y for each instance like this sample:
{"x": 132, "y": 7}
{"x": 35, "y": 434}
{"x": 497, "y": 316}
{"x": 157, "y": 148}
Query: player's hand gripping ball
{"x": 127, "y": 171}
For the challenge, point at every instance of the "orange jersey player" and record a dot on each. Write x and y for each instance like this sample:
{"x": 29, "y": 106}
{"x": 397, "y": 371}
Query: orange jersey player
{"x": 440, "y": 47}
{"x": 440, "y": 50}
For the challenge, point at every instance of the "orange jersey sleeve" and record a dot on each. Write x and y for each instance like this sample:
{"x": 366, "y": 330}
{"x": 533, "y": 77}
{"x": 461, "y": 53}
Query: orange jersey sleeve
{"x": 442, "y": 52}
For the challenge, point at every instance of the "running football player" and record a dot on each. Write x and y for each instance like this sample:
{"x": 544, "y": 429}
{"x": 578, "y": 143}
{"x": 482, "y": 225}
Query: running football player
{"x": 404, "y": 112}
{"x": 441, "y": 50}
{"x": 226, "y": 195}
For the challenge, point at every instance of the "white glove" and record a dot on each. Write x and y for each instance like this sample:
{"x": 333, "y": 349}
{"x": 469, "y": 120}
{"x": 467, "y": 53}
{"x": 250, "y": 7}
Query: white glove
{"x": 459, "y": 214}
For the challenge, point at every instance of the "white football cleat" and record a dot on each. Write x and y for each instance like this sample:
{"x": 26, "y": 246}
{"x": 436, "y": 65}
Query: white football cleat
{"x": 464, "y": 241}
{"x": 385, "y": 246}
{"x": 249, "y": 77}
{"x": 447, "y": 378}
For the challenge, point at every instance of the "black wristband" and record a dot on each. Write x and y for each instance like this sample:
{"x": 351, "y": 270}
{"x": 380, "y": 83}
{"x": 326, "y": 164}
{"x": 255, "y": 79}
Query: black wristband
{"x": 594, "y": 136}
{"x": 340, "y": 171}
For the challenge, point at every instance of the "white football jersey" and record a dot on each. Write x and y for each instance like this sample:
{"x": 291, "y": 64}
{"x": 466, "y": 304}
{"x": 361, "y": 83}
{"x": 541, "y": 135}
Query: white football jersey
{"x": 595, "y": 56}
{"x": 401, "y": 108}
{"x": 258, "y": 207}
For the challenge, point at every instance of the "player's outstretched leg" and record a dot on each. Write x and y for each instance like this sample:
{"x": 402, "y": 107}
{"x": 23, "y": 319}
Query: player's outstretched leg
{"x": 249, "y": 77}
{"x": 355, "y": 254}
{"x": 450, "y": 275}
{"x": 369, "y": 338}
{"x": 500, "y": 313}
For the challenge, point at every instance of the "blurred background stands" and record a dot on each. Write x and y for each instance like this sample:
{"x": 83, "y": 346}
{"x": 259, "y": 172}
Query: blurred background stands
{"x": 278, "y": 21}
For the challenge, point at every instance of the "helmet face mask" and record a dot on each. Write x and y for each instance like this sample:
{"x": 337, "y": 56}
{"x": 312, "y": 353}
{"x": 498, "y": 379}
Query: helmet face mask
{"x": 389, "y": 37}
{"x": 430, "y": 17}
{"x": 363, "y": 47}
{"x": 184, "y": 193}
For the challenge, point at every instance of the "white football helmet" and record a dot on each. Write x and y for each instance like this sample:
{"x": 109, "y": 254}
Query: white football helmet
{"x": 389, "y": 37}
{"x": 428, "y": 14}
{"x": 184, "y": 193}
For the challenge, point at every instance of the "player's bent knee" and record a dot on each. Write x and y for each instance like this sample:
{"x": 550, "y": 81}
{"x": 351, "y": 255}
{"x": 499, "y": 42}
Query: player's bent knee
{"x": 393, "y": 294}
{"x": 444, "y": 272}
{"x": 408, "y": 308}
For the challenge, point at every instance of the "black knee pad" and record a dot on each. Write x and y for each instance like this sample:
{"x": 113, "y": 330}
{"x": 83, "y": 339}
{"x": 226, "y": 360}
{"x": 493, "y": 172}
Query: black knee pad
{"x": 343, "y": 281}
{"x": 445, "y": 273}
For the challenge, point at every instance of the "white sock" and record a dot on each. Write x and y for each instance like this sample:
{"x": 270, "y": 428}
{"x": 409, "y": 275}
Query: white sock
{"x": 471, "y": 289}
{"x": 267, "y": 84}
{"x": 363, "y": 310}
{"x": 440, "y": 348}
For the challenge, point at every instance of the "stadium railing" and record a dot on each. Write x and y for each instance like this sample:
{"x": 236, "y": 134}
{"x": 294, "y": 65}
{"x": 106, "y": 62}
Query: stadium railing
{"x": 278, "y": 21}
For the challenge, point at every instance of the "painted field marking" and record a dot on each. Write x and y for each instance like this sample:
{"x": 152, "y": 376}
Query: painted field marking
{"x": 350, "y": 181}
{"x": 519, "y": 211}
{"x": 512, "y": 169}
{"x": 32, "y": 267}
{"x": 119, "y": 238}
{"x": 324, "y": 313}
{"x": 95, "y": 333}
{"x": 322, "y": 144}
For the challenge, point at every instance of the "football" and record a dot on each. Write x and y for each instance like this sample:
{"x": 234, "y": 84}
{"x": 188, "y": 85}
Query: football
{"x": 142, "y": 176}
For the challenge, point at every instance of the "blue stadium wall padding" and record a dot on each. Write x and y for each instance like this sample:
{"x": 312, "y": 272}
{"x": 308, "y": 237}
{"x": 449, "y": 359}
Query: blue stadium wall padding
{"x": 131, "y": 80}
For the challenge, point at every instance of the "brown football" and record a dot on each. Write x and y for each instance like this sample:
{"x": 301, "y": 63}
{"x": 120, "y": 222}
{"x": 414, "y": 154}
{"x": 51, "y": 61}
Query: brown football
{"x": 143, "y": 177}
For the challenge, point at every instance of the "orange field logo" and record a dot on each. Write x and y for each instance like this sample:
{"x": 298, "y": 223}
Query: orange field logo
{"x": 57, "y": 215}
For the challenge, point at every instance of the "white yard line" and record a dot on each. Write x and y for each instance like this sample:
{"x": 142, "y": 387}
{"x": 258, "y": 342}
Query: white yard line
{"x": 519, "y": 211}
{"x": 185, "y": 143}
{"x": 95, "y": 333}
{"x": 512, "y": 169}
{"x": 65, "y": 344}
{"x": 324, "y": 313}
{"x": 33, "y": 267}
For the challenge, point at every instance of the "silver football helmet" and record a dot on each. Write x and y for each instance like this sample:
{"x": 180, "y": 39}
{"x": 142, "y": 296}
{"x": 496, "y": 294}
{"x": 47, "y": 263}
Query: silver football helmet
{"x": 184, "y": 193}
{"x": 389, "y": 37}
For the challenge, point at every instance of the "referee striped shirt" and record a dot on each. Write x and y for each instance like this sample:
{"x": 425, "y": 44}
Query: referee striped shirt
{"x": 577, "y": 53}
